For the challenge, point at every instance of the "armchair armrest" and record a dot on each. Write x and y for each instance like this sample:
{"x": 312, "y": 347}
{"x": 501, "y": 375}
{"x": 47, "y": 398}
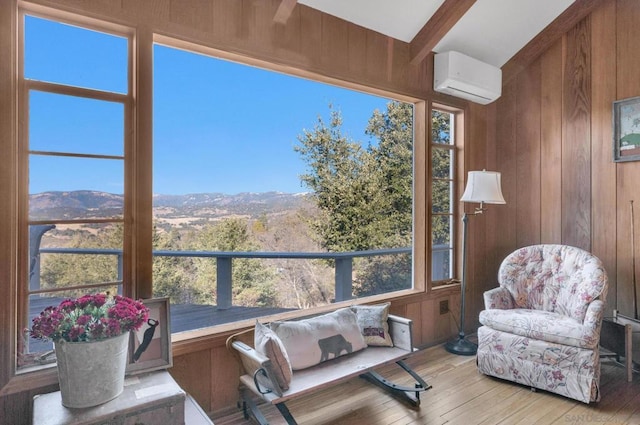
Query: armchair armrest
{"x": 593, "y": 322}
{"x": 498, "y": 298}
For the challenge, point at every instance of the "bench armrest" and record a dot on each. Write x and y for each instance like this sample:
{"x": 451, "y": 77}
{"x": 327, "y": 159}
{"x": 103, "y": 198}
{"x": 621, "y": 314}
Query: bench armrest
{"x": 400, "y": 329}
{"x": 256, "y": 365}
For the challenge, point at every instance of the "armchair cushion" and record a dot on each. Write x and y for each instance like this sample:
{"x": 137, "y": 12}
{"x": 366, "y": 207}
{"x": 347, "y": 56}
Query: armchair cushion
{"x": 541, "y": 325}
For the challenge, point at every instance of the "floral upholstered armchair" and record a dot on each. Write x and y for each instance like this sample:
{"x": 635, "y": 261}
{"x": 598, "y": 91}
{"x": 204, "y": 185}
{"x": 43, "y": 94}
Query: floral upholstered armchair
{"x": 541, "y": 326}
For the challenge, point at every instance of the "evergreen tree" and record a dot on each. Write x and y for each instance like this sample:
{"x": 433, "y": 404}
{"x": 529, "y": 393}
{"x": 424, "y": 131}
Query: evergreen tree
{"x": 364, "y": 195}
{"x": 252, "y": 280}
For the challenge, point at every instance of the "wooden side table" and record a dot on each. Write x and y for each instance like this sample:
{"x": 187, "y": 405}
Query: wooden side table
{"x": 149, "y": 399}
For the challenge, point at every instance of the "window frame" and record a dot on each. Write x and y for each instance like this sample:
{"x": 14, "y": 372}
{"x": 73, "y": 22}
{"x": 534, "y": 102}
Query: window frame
{"x": 457, "y": 180}
{"x": 421, "y": 278}
{"x": 24, "y": 88}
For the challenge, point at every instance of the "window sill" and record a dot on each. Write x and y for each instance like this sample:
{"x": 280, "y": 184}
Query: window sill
{"x": 202, "y": 339}
{"x": 31, "y": 378}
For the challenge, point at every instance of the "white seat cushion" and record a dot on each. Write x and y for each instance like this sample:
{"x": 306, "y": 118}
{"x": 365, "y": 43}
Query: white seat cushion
{"x": 541, "y": 325}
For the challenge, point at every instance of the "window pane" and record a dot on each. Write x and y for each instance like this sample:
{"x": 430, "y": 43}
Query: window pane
{"x": 441, "y": 127}
{"x": 441, "y": 230}
{"x": 441, "y": 261}
{"x": 65, "y": 255}
{"x": 442, "y": 196}
{"x": 442, "y": 250}
{"x": 65, "y": 54}
{"x": 442, "y": 164}
{"x": 59, "y": 123}
{"x": 82, "y": 188}
{"x": 274, "y": 163}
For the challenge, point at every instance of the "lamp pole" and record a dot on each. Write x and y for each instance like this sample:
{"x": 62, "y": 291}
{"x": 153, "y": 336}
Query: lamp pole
{"x": 462, "y": 345}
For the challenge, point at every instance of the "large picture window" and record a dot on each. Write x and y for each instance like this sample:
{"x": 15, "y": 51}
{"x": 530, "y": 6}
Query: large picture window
{"x": 271, "y": 192}
{"x": 285, "y": 193}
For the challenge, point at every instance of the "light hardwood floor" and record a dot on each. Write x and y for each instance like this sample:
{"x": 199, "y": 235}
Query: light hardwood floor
{"x": 460, "y": 395}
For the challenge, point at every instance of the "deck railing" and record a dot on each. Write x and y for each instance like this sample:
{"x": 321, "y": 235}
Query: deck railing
{"x": 224, "y": 265}
{"x": 440, "y": 266}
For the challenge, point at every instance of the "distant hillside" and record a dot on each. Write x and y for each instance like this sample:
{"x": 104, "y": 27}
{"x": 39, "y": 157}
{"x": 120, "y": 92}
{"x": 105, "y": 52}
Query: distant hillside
{"x": 93, "y": 204}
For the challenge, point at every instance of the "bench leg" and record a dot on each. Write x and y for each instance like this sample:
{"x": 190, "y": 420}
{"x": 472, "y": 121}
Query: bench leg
{"x": 249, "y": 406}
{"x": 407, "y": 394}
{"x": 247, "y": 401}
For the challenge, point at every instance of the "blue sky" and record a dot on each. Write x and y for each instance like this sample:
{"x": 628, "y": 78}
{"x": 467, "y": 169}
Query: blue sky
{"x": 218, "y": 126}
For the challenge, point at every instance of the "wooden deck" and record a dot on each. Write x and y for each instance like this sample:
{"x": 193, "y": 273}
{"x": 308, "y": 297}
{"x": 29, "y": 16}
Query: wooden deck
{"x": 460, "y": 396}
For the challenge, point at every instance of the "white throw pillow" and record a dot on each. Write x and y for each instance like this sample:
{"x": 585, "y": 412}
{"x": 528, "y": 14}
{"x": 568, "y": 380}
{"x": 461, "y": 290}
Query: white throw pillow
{"x": 317, "y": 339}
{"x": 372, "y": 320}
{"x": 267, "y": 343}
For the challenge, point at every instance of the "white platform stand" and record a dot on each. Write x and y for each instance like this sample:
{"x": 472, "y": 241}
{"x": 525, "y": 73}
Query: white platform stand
{"x": 153, "y": 398}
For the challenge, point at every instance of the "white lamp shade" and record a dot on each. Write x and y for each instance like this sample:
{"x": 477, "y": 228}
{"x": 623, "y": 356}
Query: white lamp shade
{"x": 483, "y": 186}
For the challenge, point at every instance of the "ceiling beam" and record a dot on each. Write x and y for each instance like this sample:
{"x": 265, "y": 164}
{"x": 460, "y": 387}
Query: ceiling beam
{"x": 543, "y": 41}
{"x": 284, "y": 11}
{"x": 440, "y": 23}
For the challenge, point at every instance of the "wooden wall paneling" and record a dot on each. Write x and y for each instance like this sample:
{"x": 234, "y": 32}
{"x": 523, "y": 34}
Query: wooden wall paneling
{"x": 603, "y": 169}
{"x": 551, "y": 145}
{"x": 475, "y": 159}
{"x": 492, "y": 225}
{"x": 258, "y": 25}
{"x": 416, "y": 312}
{"x": 576, "y": 140}
{"x": 628, "y": 173}
{"x": 397, "y": 69}
{"x": 195, "y": 14}
{"x": 438, "y": 327}
{"x": 377, "y": 57}
{"x": 356, "y": 42}
{"x": 284, "y": 11}
{"x": 227, "y": 28}
{"x": 334, "y": 51}
{"x": 506, "y": 154}
{"x": 311, "y": 36}
{"x": 224, "y": 378}
{"x": 528, "y": 155}
{"x": 287, "y": 38}
{"x": 153, "y": 10}
{"x": 191, "y": 372}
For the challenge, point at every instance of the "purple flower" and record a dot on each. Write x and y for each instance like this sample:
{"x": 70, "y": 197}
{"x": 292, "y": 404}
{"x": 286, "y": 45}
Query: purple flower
{"x": 89, "y": 318}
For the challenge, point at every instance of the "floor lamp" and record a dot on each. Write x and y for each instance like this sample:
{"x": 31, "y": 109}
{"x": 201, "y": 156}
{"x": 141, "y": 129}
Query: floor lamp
{"x": 482, "y": 187}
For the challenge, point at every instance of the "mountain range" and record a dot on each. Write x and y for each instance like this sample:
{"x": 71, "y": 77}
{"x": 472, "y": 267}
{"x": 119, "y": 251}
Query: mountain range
{"x": 95, "y": 204}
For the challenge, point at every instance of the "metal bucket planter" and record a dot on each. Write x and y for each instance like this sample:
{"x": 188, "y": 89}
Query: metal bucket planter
{"x": 91, "y": 373}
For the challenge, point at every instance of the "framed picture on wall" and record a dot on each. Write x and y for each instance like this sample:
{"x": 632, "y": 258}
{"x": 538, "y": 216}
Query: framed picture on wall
{"x": 626, "y": 130}
{"x": 150, "y": 347}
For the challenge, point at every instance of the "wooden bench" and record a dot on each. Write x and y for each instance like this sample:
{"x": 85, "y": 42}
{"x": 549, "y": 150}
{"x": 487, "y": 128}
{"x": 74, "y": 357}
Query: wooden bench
{"x": 255, "y": 380}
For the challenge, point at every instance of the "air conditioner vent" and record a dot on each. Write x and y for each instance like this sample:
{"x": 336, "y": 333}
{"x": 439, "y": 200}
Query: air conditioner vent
{"x": 465, "y": 77}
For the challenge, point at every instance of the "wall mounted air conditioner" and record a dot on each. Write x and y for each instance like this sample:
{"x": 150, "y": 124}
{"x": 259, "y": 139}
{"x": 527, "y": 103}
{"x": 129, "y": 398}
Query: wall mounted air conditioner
{"x": 463, "y": 76}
